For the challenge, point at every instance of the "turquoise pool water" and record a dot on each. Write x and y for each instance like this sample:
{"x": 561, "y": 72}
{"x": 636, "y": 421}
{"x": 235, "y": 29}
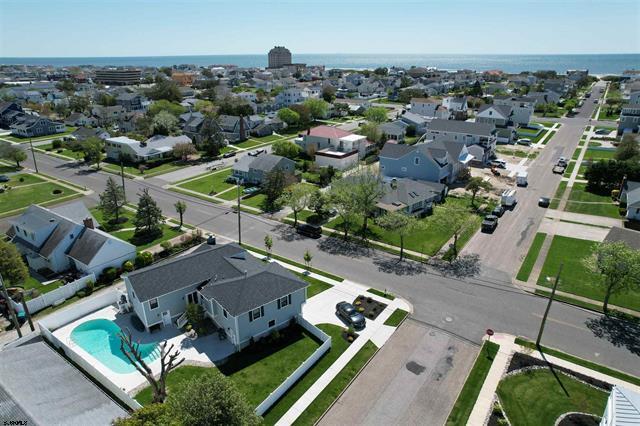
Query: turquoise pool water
{"x": 99, "y": 337}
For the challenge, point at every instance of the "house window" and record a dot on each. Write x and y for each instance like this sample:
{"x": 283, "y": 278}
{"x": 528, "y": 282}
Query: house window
{"x": 153, "y": 303}
{"x": 272, "y": 323}
{"x": 416, "y": 161}
{"x": 256, "y": 313}
{"x": 284, "y": 301}
{"x": 224, "y": 312}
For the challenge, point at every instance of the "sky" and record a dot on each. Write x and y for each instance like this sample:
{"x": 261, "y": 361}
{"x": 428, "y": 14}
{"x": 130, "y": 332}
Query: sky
{"x": 89, "y": 28}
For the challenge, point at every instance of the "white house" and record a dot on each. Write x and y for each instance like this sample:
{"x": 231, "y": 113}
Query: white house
{"x": 630, "y": 195}
{"x": 623, "y": 408}
{"x": 334, "y": 147}
{"x": 153, "y": 148}
{"x": 66, "y": 237}
{"x": 522, "y": 107}
{"x": 424, "y": 106}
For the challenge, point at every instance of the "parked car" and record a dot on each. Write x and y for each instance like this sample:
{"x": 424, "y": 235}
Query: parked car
{"x": 602, "y": 132}
{"x": 4, "y": 178}
{"x": 521, "y": 179}
{"x": 350, "y": 315}
{"x": 544, "y": 201}
{"x": 312, "y": 231}
{"x": 229, "y": 154}
{"x": 250, "y": 190}
{"x": 499, "y": 162}
{"x": 489, "y": 223}
{"x": 559, "y": 169}
{"x": 508, "y": 198}
{"x": 562, "y": 161}
{"x": 498, "y": 210}
{"x": 524, "y": 141}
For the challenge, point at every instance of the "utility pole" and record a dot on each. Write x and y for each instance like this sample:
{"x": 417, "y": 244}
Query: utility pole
{"x": 33, "y": 154}
{"x": 238, "y": 208}
{"x": 124, "y": 191}
{"x": 546, "y": 312}
{"x": 10, "y": 308}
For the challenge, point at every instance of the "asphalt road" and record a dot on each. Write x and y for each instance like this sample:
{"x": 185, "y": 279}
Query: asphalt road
{"x": 461, "y": 307}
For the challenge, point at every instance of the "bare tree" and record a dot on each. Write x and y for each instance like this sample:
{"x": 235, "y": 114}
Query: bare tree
{"x": 131, "y": 350}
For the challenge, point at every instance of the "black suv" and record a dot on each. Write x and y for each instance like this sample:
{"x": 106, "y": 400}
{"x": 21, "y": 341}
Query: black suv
{"x": 313, "y": 231}
{"x": 489, "y": 223}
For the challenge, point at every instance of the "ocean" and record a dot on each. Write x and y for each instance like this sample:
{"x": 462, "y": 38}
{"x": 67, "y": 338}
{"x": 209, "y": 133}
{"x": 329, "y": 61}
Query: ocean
{"x": 595, "y": 63}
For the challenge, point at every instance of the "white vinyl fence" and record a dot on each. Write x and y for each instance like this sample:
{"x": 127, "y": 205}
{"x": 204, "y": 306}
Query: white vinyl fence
{"x": 58, "y": 319}
{"x": 60, "y": 294}
{"x": 303, "y": 368}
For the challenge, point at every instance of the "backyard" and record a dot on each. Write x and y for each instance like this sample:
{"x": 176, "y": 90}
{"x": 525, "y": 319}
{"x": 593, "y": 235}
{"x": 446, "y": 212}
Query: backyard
{"x": 575, "y": 278}
{"x": 538, "y": 397}
{"x": 256, "y": 371}
{"x": 32, "y": 190}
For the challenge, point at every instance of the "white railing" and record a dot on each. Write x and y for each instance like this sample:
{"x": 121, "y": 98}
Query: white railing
{"x": 301, "y": 370}
{"x": 58, "y": 295}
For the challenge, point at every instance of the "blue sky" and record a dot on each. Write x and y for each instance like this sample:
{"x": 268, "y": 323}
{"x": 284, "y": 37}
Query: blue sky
{"x": 200, "y": 27}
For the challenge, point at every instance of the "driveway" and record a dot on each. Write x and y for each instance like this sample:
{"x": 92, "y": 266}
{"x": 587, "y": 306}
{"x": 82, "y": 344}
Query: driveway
{"x": 413, "y": 380}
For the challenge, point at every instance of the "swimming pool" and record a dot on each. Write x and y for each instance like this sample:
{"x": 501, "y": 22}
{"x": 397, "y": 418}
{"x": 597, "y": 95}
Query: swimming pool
{"x": 99, "y": 337}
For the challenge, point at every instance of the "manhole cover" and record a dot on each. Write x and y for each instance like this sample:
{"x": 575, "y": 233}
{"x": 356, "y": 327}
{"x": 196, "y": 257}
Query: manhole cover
{"x": 448, "y": 319}
{"x": 415, "y": 368}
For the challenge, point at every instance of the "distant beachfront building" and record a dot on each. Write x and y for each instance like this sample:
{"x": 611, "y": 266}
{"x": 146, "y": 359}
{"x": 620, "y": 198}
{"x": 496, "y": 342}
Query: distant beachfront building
{"x": 119, "y": 77}
{"x": 279, "y": 56}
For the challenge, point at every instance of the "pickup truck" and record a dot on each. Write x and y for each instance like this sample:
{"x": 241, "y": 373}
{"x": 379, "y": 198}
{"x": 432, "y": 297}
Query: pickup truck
{"x": 559, "y": 169}
{"x": 489, "y": 223}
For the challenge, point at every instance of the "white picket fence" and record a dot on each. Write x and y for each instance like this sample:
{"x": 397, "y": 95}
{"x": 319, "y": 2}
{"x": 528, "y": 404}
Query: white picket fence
{"x": 303, "y": 368}
{"x": 58, "y": 295}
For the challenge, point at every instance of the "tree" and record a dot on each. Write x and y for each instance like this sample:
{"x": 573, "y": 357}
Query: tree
{"x": 618, "y": 266}
{"x": 341, "y": 199}
{"x": 376, "y": 115}
{"x": 399, "y": 224}
{"x": 317, "y": 107}
{"x": 12, "y": 267}
{"x": 451, "y": 220}
{"x": 13, "y": 153}
{"x": 307, "y": 260}
{"x": 183, "y": 150}
{"x": 181, "y": 207}
{"x": 268, "y": 244}
{"x": 165, "y": 89}
{"x": 106, "y": 99}
{"x": 275, "y": 183}
{"x": 297, "y": 197}
{"x": 210, "y": 399}
{"x": 286, "y": 148}
{"x": 383, "y": 71}
{"x": 112, "y": 200}
{"x": 66, "y": 86}
{"x": 303, "y": 112}
{"x": 92, "y": 149}
{"x": 318, "y": 203}
{"x": 475, "y": 185}
{"x": 289, "y": 116}
{"x": 212, "y": 139}
{"x": 204, "y": 106}
{"x": 328, "y": 93}
{"x": 163, "y": 105}
{"x": 234, "y": 106}
{"x": 628, "y": 149}
{"x": 476, "y": 89}
{"x": 168, "y": 362}
{"x": 405, "y": 95}
{"x": 148, "y": 220}
{"x": 150, "y": 414}
{"x": 366, "y": 190}
{"x": 79, "y": 103}
{"x": 164, "y": 123}
{"x": 372, "y": 132}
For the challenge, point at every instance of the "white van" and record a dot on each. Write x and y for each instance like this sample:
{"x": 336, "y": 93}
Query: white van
{"x": 508, "y": 198}
{"x": 521, "y": 178}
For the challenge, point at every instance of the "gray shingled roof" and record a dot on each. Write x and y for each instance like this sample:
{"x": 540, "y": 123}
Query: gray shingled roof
{"x": 266, "y": 162}
{"x": 394, "y": 150}
{"x": 629, "y": 236}
{"x": 50, "y": 390}
{"x": 240, "y": 295}
{"x": 75, "y": 211}
{"x": 456, "y": 126}
{"x": 61, "y": 232}
{"x": 87, "y": 245}
{"x": 504, "y": 110}
{"x": 408, "y": 191}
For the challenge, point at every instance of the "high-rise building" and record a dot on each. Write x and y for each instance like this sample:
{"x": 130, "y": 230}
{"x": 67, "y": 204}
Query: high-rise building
{"x": 279, "y": 56}
{"x": 118, "y": 76}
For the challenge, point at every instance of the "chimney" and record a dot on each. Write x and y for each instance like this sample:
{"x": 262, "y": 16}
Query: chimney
{"x": 88, "y": 223}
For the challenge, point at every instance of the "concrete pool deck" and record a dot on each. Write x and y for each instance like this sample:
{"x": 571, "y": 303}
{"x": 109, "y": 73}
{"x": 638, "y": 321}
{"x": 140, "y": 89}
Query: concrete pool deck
{"x": 205, "y": 350}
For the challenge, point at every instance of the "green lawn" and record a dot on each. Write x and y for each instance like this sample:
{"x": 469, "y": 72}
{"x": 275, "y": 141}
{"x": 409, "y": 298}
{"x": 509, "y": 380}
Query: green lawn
{"x": 33, "y": 284}
{"x": 381, "y": 293}
{"x": 546, "y": 141}
{"x": 396, "y": 317}
{"x": 545, "y": 123}
{"x": 168, "y": 232}
{"x": 605, "y": 116}
{"x": 48, "y": 148}
{"x": 308, "y": 216}
{"x": 532, "y": 256}
{"x": 329, "y": 394}
{"x": 269, "y": 138}
{"x": 579, "y": 193}
{"x": 429, "y": 240}
{"x": 256, "y": 200}
{"x": 583, "y": 362}
{"x": 210, "y": 184}
{"x": 151, "y": 171}
{"x": 22, "y": 196}
{"x": 249, "y": 143}
{"x": 600, "y": 153}
{"x": 112, "y": 227}
{"x": 536, "y": 398}
{"x": 606, "y": 210}
{"x": 256, "y": 371}
{"x": 569, "y": 169}
{"x": 555, "y": 201}
{"x": 316, "y": 286}
{"x": 575, "y": 279}
{"x": 23, "y": 179}
{"x": 338, "y": 346}
{"x": 471, "y": 389}
{"x": 4, "y": 168}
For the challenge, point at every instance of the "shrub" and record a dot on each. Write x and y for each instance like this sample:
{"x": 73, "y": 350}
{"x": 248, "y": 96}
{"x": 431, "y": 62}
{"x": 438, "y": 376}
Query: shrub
{"x": 127, "y": 266}
{"x": 360, "y": 309}
{"x": 56, "y": 144}
{"x": 109, "y": 275}
{"x": 166, "y": 245}
{"x": 21, "y": 179}
{"x": 35, "y": 293}
{"x": 57, "y": 191}
{"x": 350, "y": 339}
{"x": 195, "y": 314}
{"x": 143, "y": 259}
{"x": 89, "y": 288}
{"x": 275, "y": 336}
{"x": 622, "y": 211}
